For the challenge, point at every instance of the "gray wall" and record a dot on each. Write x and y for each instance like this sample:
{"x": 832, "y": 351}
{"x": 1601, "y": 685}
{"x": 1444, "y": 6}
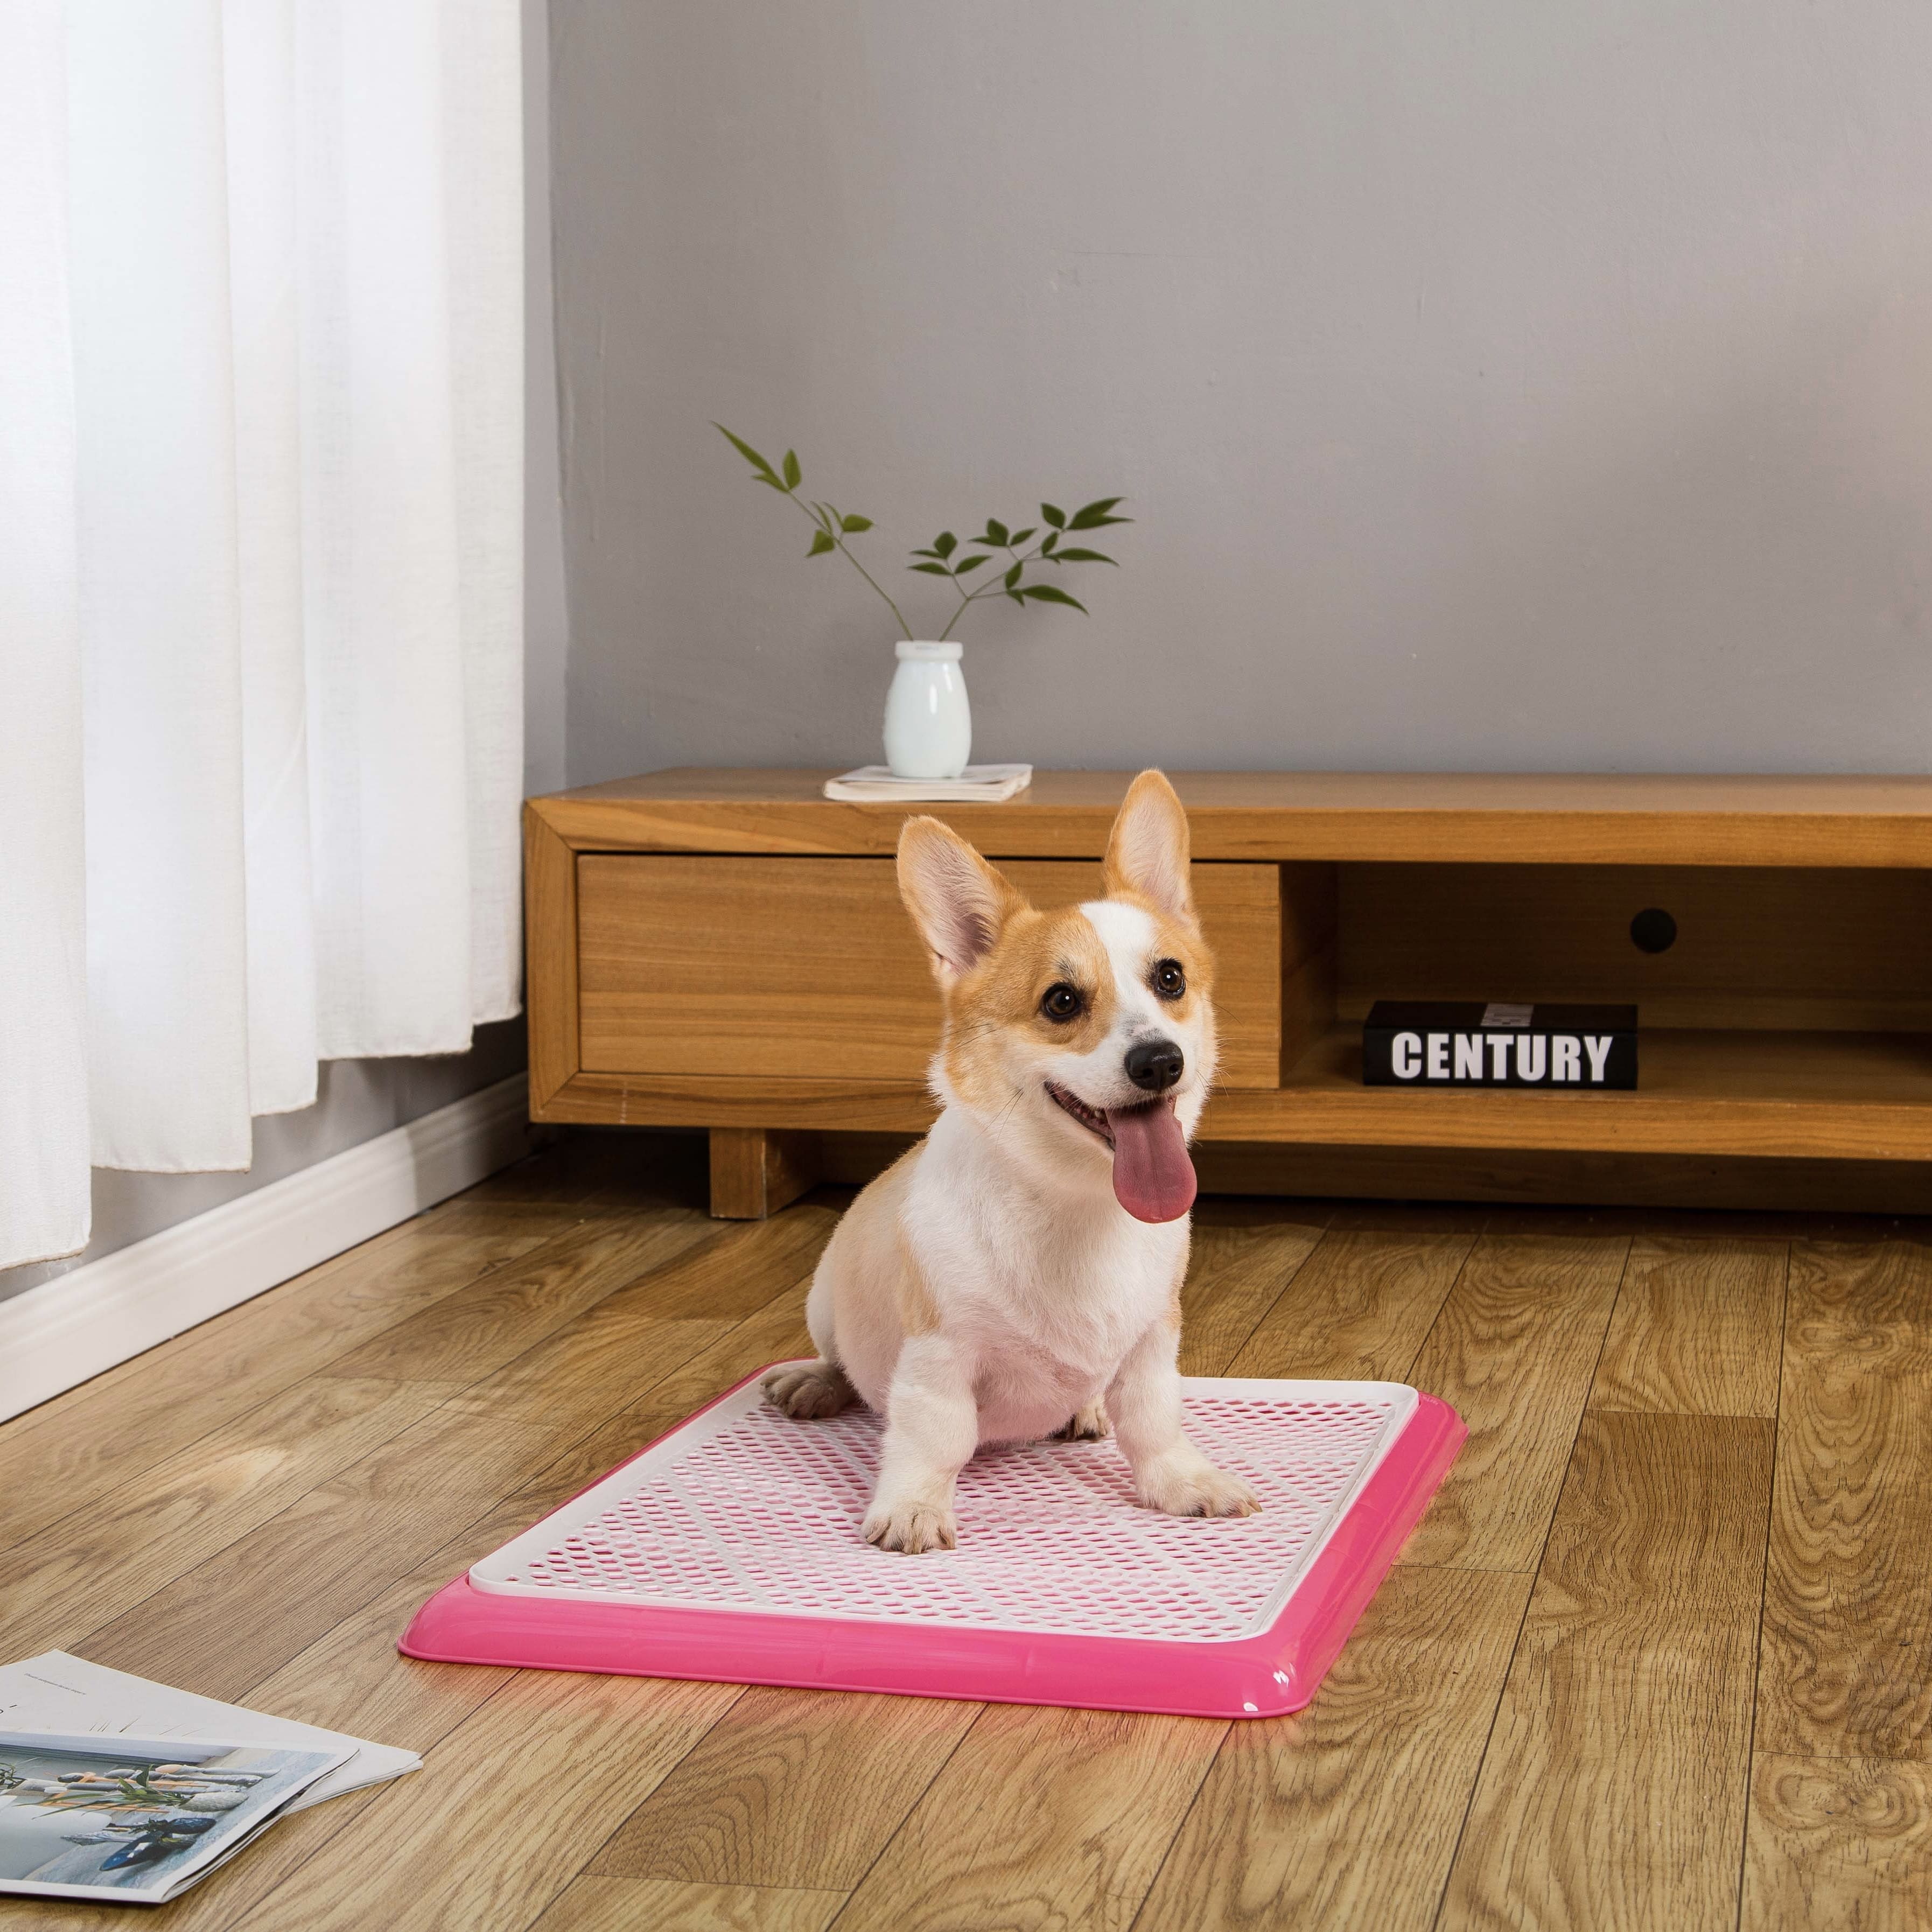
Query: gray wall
{"x": 359, "y": 1099}
{"x": 1515, "y": 383}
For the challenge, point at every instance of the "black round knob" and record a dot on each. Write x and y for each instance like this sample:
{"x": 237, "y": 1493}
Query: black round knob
{"x": 1653, "y": 930}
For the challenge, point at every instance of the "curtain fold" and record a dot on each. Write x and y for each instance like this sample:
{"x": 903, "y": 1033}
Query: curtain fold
{"x": 258, "y": 124}
{"x": 160, "y": 642}
{"x": 262, "y": 337}
{"x": 386, "y": 725}
{"x": 43, "y": 1130}
{"x": 483, "y": 90}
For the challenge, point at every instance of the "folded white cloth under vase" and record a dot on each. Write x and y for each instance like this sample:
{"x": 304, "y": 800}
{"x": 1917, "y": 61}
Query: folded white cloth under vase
{"x": 978, "y": 784}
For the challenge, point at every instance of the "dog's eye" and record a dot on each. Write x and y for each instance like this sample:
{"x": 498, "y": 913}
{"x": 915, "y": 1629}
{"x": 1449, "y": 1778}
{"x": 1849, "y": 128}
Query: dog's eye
{"x": 1062, "y": 1003}
{"x": 1169, "y": 981}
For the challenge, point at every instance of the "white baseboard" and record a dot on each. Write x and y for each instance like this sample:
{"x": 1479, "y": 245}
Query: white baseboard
{"x": 63, "y": 1331}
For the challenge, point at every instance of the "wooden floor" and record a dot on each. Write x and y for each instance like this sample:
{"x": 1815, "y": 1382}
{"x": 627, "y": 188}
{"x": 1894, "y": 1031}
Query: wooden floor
{"x": 1660, "y": 1656}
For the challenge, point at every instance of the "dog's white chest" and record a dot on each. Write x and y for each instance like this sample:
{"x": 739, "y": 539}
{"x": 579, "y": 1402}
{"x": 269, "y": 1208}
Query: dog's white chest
{"x": 1044, "y": 1300}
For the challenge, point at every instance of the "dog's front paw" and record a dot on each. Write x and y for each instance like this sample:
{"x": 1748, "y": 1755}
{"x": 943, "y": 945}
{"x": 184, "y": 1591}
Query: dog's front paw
{"x": 911, "y": 1525}
{"x": 1198, "y": 1489}
{"x": 809, "y": 1390}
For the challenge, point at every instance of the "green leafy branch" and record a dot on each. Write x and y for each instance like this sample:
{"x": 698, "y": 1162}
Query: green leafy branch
{"x": 1010, "y": 582}
{"x": 833, "y": 527}
{"x": 996, "y": 543}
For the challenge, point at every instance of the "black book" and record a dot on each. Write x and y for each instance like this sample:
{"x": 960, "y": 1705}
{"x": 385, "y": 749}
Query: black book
{"x": 1457, "y": 1043}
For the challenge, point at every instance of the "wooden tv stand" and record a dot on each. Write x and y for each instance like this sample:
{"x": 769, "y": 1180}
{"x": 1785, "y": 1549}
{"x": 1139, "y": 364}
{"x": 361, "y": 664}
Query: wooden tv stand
{"x": 725, "y": 949}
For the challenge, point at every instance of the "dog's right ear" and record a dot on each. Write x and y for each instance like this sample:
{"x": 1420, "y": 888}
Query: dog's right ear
{"x": 958, "y": 901}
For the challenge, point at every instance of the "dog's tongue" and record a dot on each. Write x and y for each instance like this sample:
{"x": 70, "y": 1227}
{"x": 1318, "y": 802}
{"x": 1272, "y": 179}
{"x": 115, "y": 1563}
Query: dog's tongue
{"x": 1153, "y": 1179}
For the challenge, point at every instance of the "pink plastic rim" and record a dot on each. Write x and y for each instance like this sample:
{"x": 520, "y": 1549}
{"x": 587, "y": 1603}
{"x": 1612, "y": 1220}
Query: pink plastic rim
{"x": 1275, "y": 1670}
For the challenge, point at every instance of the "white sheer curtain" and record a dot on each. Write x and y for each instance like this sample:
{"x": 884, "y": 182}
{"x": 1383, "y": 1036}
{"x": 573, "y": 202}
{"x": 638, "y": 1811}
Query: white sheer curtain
{"x": 261, "y": 447}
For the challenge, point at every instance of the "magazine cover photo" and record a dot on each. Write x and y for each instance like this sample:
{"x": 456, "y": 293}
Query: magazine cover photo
{"x": 113, "y": 1817}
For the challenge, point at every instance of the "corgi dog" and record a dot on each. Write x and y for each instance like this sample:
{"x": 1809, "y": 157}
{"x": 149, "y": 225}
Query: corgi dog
{"x": 1017, "y": 1275}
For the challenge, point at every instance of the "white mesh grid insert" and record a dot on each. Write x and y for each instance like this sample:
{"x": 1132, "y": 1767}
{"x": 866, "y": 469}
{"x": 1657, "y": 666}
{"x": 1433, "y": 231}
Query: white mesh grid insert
{"x": 744, "y": 1509}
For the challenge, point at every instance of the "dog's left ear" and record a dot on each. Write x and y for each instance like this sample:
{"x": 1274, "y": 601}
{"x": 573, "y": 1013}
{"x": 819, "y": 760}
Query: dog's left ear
{"x": 1147, "y": 851}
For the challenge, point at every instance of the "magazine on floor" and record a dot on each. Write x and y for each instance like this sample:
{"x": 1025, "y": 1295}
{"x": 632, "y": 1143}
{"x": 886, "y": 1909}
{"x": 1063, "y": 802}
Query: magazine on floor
{"x": 56, "y": 1692}
{"x": 119, "y": 1789}
{"x": 136, "y": 1819}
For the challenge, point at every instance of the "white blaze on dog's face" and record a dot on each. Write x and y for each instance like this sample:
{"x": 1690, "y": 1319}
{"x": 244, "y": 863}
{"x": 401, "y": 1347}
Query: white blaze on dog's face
{"x": 1084, "y": 1038}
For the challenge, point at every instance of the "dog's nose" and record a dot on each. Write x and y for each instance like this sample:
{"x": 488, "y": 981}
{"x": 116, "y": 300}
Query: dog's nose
{"x": 1155, "y": 1065}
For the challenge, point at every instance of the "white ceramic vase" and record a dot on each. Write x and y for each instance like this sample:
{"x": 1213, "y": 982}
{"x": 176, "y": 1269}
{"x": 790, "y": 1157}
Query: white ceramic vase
{"x": 928, "y": 723}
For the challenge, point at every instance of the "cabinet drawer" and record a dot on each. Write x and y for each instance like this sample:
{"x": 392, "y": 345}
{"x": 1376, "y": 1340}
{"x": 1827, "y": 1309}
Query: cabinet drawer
{"x": 810, "y": 967}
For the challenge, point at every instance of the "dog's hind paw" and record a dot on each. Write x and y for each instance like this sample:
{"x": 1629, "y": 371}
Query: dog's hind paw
{"x": 1090, "y": 1425}
{"x": 911, "y": 1526}
{"x": 809, "y": 1391}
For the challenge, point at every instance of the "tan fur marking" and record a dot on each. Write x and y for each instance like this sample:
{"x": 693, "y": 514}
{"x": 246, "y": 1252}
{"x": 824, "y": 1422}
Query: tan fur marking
{"x": 919, "y": 1313}
{"x": 1006, "y": 988}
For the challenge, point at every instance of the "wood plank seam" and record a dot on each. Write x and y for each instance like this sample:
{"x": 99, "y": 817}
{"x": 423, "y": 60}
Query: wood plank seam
{"x": 1840, "y": 1841}
{"x": 1114, "y": 1909}
{"x": 1287, "y": 1287}
{"x": 1614, "y": 1773}
{"x": 512, "y": 1484}
{"x": 1763, "y": 1584}
{"x": 1502, "y": 1685}
{"x": 1529, "y": 1596}
{"x": 1847, "y": 1601}
{"x": 1511, "y": 1350}
{"x": 1455, "y": 1281}
{"x": 1167, "y": 1850}
{"x": 239, "y": 1421}
{"x": 1241, "y": 1832}
{"x": 1727, "y": 1292}
{"x": 643, "y": 1797}
{"x": 939, "y": 1771}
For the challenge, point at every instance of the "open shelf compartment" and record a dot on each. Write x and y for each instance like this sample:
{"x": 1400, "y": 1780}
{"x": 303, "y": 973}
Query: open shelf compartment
{"x": 1790, "y": 1015}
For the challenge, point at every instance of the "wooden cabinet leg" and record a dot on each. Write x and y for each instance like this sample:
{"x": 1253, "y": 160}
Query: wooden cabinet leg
{"x": 755, "y": 1171}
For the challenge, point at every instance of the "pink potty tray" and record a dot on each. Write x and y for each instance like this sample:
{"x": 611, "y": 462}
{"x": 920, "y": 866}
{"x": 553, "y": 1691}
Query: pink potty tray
{"x": 729, "y": 1549}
